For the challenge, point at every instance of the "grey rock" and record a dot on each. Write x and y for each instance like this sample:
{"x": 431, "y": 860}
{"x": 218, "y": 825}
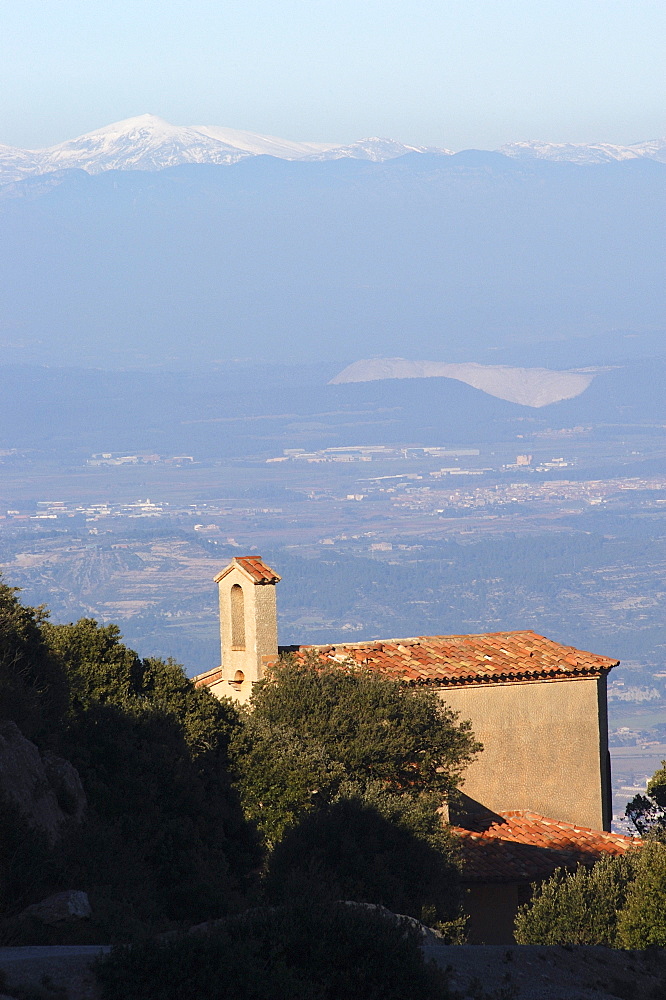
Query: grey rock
{"x": 46, "y": 791}
{"x": 61, "y": 908}
{"x": 427, "y": 935}
{"x": 66, "y": 783}
{"x": 24, "y": 783}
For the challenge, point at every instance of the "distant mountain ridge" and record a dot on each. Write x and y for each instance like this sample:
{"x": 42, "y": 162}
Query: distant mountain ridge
{"x": 583, "y": 152}
{"x": 421, "y": 256}
{"x": 147, "y": 142}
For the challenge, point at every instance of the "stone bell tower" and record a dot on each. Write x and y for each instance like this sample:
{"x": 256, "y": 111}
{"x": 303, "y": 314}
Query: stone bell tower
{"x": 248, "y": 627}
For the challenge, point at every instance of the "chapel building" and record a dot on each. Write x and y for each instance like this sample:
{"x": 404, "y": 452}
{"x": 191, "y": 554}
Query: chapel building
{"x": 537, "y": 706}
{"x": 538, "y": 796}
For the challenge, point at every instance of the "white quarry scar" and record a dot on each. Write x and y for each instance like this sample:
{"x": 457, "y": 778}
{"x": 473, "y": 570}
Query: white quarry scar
{"x": 529, "y": 386}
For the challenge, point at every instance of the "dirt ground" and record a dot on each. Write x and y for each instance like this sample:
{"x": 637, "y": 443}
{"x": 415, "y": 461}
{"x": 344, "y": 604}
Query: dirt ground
{"x": 62, "y": 972}
{"x": 530, "y": 972}
{"x": 477, "y": 972}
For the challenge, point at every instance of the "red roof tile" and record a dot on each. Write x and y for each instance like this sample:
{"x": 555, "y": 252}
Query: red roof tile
{"x": 255, "y": 568}
{"x": 523, "y": 846}
{"x": 208, "y": 678}
{"x": 469, "y": 659}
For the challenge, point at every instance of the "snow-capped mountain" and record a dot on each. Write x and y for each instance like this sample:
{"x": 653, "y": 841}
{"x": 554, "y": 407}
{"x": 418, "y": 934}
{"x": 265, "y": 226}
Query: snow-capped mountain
{"x": 374, "y": 149}
{"x": 581, "y": 152}
{"x": 142, "y": 143}
{"x": 15, "y": 164}
{"x": 147, "y": 142}
{"x": 268, "y": 145}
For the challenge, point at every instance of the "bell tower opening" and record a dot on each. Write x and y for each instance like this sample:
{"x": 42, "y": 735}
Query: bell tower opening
{"x": 237, "y": 617}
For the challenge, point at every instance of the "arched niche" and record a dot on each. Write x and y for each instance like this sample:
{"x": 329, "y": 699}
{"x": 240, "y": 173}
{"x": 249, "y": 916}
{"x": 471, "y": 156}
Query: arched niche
{"x": 237, "y": 617}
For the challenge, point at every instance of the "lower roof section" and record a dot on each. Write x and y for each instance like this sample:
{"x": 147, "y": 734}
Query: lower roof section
{"x": 523, "y": 846}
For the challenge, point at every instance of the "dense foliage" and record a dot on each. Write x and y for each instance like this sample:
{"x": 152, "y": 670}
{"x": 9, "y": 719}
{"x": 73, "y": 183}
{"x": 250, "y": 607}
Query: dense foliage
{"x": 582, "y": 907}
{"x": 642, "y": 920}
{"x": 313, "y": 726}
{"x": 304, "y": 953}
{"x": 344, "y": 772}
{"x": 164, "y": 837}
{"x": 338, "y": 771}
{"x": 33, "y": 685}
{"x": 370, "y": 853}
{"x": 620, "y": 903}
{"x": 648, "y": 812}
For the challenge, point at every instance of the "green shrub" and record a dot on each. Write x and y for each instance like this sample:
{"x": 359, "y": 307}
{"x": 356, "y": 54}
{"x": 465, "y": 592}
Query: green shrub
{"x": 578, "y": 908}
{"x": 642, "y": 921}
{"x": 297, "y": 953}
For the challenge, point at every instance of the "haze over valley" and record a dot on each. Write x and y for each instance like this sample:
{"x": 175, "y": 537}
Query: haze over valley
{"x": 391, "y": 507}
{"x": 419, "y": 255}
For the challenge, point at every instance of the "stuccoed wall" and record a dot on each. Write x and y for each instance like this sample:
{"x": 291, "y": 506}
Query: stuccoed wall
{"x": 260, "y": 635}
{"x": 545, "y": 747}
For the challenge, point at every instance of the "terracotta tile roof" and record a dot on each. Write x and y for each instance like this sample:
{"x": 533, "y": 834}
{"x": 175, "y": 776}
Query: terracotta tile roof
{"x": 208, "y": 678}
{"x": 523, "y": 846}
{"x": 255, "y": 568}
{"x": 465, "y": 659}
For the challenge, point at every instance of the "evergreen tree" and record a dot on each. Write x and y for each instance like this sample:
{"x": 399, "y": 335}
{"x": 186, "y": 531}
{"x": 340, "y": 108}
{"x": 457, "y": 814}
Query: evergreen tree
{"x": 312, "y": 724}
{"x": 344, "y": 772}
{"x": 33, "y": 685}
{"x": 642, "y": 919}
{"x": 582, "y": 907}
{"x": 648, "y": 812}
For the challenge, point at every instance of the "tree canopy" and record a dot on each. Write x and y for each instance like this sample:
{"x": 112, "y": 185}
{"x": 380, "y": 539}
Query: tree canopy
{"x": 353, "y": 849}
{"x": 33, "y": 684}
{"x": 164, "y": 838}
{"x": 312, "y": 725}
{"x": 344, "y": 772}
{"x": 648, "y": 812}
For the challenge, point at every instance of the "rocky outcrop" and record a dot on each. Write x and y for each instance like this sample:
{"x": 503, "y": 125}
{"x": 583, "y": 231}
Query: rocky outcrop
{"x": 66, "y": 783}
{"x": 61, "y": 908}
{"x": 46, "y": 791}
{"x": 426, "y": 935}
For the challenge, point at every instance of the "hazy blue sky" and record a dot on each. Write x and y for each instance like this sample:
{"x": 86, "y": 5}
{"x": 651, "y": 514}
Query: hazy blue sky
{"x": 456, "y": 73}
